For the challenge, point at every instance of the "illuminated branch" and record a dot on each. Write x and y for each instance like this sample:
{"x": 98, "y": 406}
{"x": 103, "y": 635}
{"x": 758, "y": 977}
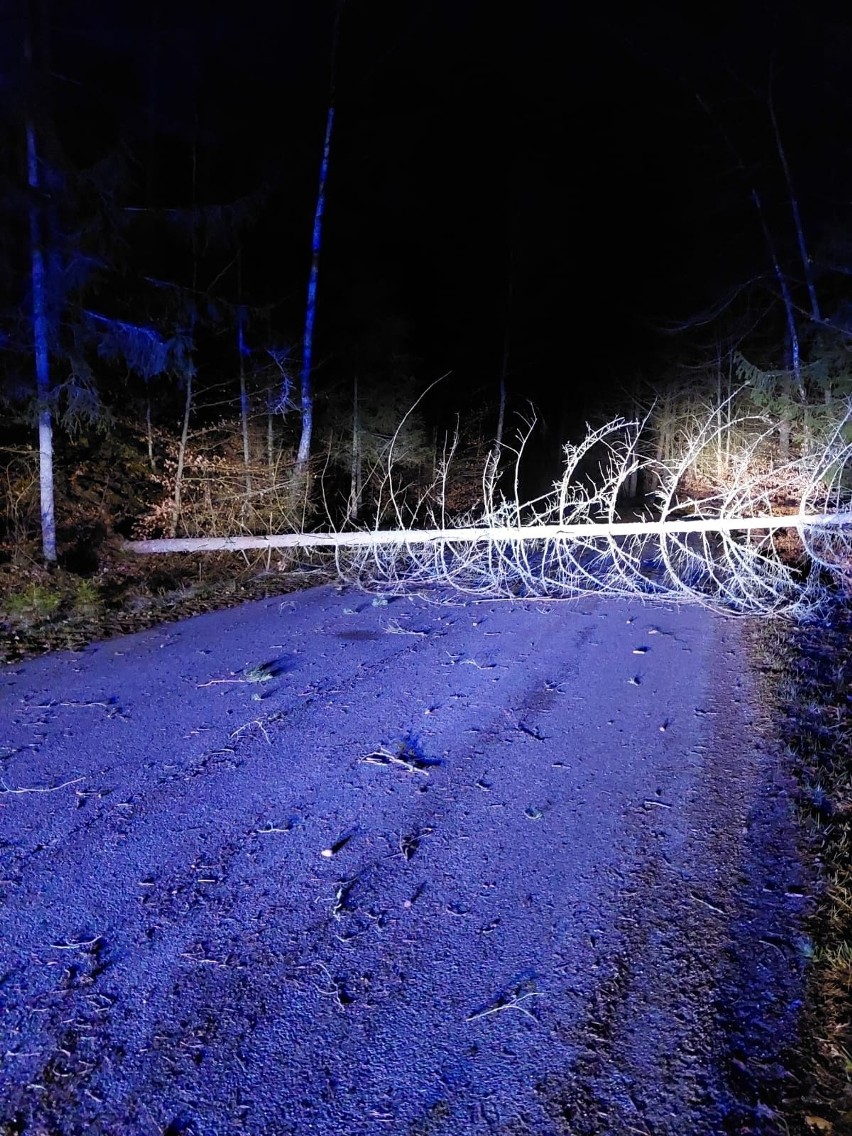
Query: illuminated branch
{"x": 717, "y": 548}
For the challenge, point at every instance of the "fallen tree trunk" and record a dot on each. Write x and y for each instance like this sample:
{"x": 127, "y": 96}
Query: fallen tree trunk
{"x": 476, "y": 534}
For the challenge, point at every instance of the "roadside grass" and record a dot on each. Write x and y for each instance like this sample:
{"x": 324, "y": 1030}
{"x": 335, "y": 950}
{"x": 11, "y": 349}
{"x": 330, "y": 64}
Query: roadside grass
{"x": 36, "y": 603}
{"x": 43, "y": 610}
{"x": 810, "y": 670}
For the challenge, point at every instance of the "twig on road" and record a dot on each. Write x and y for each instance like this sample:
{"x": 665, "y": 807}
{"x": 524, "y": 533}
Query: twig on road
{"x": 712, "y": 907}
{"x": 269, "y": 829}
{"x": 341, "y": 897}
{"x": 338, "y": 988}
{"x": 510, "y": 1001}
{"x": 248, "y": 725}
{"x": 220, "y": 682}
{"x": 394, "y": 627}
{"x": 386, "y": 757}
{"x": 6, "y": 789}
{"x": 410, "y": 842}
{"x": 81, "y": 945}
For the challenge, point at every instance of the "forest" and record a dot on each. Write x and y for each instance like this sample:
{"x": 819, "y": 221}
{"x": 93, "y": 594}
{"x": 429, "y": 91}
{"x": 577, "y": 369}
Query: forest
{"x": 363, "y": 267}
{"x": 167, "y": 377}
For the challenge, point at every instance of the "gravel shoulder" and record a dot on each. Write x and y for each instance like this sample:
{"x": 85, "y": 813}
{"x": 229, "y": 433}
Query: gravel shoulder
{"x": 318, "y": 865}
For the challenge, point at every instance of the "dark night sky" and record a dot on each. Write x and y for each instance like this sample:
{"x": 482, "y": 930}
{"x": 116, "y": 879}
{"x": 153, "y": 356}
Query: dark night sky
{"x": 565, "y": 149}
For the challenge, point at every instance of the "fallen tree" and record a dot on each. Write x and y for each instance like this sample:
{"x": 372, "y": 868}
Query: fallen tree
{"x": 718, "y": 547}
{"x": 371, "y": 537}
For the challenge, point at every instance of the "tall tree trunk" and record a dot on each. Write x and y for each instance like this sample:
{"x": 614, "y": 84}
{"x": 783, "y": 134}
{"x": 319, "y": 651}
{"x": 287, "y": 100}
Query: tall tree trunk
{"x": 184, "y": 435}
{"x": 190, "y": 370}
{"x": 807, "y": 264}
{"x": 720, "y": 428}
{"x": 241, "y": 352}
{"x": 355, "y": 486}
{"x": 730, "y": 414}
{"x": 306, "y": 392}
{"x": 40, "y": 342}
{"x": 152, "y": 80}
{"x": 507, "y": 330}
{"x": 784, "y": 439}
{"x": 795, "y": 357}
{"x": 149, "y": 430}
{"x": 786, "y": 296}
{"x": 244, "y": 415}
{"x": 504, "y": 371}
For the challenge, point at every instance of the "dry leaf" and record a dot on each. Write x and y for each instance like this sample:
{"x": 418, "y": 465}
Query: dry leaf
{"x": 819, "y": 1124}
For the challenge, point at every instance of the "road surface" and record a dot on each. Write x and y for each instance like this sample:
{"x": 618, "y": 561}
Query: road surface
{"x": 327, "y": 865}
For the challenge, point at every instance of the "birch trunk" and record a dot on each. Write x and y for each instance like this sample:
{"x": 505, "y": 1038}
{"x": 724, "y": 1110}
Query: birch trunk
{"x": 149, "y": 430}
{"x": 306, "y": 391}
{"x": 40, "y": 349}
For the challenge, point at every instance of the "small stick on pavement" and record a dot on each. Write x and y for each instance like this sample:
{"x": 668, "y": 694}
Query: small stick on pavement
{"x": 507, "y": 1002}
{"x": 108, "y": 705}
{"x": 338, "y": 989}
{"x": 219, "y": 682}
{"x": 386, "y": 757}
{"x": 248, "y": 725}
{"x": 341, "y": 897}
{"x": 5, "y": 789}
{"x": 82, "y": 945}
{"x": 410, "y": 842}
{"x": 204, "y": 960}
{"x": 394, "y": 627}
{"x": 698, "y": 899}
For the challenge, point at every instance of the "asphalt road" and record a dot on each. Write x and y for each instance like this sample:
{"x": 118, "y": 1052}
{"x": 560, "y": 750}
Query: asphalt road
{"x": 324, "y": 865}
